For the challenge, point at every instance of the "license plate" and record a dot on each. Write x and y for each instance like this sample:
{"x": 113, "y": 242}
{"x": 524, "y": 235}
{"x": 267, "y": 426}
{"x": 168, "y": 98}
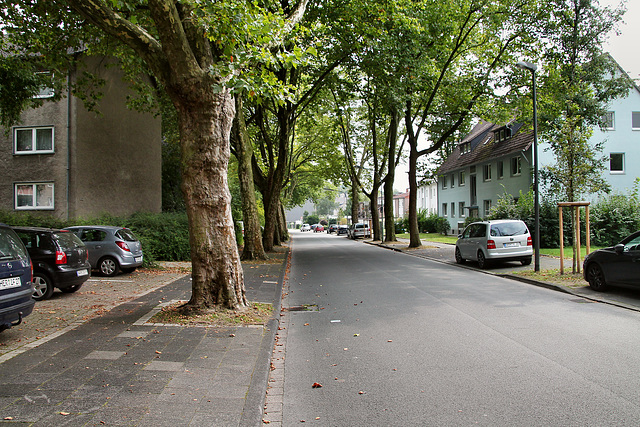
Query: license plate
{"x": 138, "y": 259}
{"x": 11, "y": 282}
{"x": 82, "y": 272}
{"x": 511, "y": 245}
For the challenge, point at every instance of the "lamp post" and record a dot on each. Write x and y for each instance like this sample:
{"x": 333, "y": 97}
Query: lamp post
{"x": 536, "y": 242}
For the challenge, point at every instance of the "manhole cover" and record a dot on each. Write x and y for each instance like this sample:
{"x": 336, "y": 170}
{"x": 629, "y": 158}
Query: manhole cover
{"x": 304, "y": 307}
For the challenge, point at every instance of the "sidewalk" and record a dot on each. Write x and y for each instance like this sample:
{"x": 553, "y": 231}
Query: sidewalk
{"x": 117, "y": 370}
{"x": 443, "y": 252}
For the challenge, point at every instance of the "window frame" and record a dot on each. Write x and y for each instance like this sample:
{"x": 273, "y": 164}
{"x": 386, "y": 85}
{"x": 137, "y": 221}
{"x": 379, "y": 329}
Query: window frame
{"x": 486, "y": 207}
{"x": 486, "y": 172}
{"x": 461, "y": 209}
{"x": 635, "y": 115}
{"x": 461, "y": 179}
{"x": 609, "y": 121}
{"x": 444, "y": 209}
{"x": 517, "y": 161}
{"x": 617, "y": 172}
{"x": 34, "y": 149}
{"x": 34, "y": 194}
{"x": 444, "y": 182}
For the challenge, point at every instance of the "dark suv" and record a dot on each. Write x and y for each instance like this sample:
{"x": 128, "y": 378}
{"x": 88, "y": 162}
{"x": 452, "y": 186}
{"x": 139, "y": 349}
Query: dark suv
{"x": 60, "y": 260}
{"x": 15, "y": 280}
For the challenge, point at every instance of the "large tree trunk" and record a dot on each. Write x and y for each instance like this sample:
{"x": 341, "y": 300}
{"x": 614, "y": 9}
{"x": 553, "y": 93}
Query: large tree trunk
{"x": 253, "y": 248}
{"x": 414, "y": 233}
{"x": 205, "y": 125}
{"x": 389, "y": 220}
{"x": 375, "y": 213}
{"x": 355, "y": 201}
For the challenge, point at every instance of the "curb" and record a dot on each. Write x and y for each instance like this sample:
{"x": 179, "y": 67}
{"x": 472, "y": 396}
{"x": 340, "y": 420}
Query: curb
{"x": 253, "y": 413}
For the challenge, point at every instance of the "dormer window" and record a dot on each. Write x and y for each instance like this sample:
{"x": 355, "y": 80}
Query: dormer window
{"x": 465, "y": 148}
{"x": 502, "y": 134}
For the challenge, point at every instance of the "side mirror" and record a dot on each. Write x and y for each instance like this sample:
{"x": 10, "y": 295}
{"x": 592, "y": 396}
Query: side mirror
{"x": 619, "y": 248}
{"x": 460, "y": 236}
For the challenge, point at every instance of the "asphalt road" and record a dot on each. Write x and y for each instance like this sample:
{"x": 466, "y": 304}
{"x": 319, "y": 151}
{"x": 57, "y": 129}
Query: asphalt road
{"x": 399, "y": 340}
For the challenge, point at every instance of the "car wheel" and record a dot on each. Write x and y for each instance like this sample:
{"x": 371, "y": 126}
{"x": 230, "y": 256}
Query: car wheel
{"x": 525, "y": 261}
{"x": 482, "y": 261}
{"x": 71, "y": 289}
{"x": 108, "y": 267}
{"x": 42, "y": 287}
{"x": 595, "y": 277}
{"x": 459, "y": 258}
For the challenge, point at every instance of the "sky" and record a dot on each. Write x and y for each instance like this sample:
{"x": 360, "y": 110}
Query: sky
{"x": 622, "y": 47}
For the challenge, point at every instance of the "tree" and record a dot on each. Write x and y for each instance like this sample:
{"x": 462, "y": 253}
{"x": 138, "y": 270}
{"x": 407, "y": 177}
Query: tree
{"x": 197, "y": 52}
{"x": 579, "y": 81}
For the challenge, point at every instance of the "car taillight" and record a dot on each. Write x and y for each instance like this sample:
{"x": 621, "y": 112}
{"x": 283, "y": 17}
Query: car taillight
{"x": 529, "y": 241}
{"x": 123, "y": 246}
{"x": 61, "y": 258}
{"x": 491, "y": 244}
{"x": 31, "y": 262}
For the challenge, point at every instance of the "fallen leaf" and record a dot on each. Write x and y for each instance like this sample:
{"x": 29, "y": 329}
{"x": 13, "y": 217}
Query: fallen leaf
{"x": 158, "y": 352}
{"x": 316, "y": 385}
{"x": 356, "y": 335}
{"x": 361, "y": 392}
{"x": 64, "y": 413}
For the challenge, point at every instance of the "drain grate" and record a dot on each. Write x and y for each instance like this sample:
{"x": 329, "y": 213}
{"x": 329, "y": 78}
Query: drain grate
{"x": 304, "y": 307}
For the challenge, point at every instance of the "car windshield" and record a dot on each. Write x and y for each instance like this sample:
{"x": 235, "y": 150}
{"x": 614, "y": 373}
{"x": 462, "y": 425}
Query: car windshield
{"x": 508, "y": 229}
{"x": 10, "y": 246}
{"x": 126, "y": 235}
{"x": 68, "y": 240}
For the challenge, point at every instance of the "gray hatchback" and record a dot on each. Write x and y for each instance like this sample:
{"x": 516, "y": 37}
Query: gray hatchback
{"x": 111, "y": 249}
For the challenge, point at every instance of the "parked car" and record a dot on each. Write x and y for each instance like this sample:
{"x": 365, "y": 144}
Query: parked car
{"x": 60, "y": 260}
{"x": 343, "y": 229}
{"x": 318, "y": 228}
{"x": 16, "y": 287}
{"x": 616, "y": 265}
{"x": 358, "y": 230}
{"x": 111, "y": 249}
{"x": 485, "y": 241}
{"x": 305, "y": 227}
{"x": 333, "y": 228}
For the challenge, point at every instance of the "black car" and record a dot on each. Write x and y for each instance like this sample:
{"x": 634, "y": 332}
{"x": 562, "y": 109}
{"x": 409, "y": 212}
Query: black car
{"x": 617, "y": 265}
{"x": 60, "y": 260}
{"x": 343, "y": 229}
{"x": 333, "y": 228}
{"x": 15, "y": 279}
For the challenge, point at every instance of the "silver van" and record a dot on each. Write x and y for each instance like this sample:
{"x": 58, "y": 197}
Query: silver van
{"x": 358, "y": 230}
{"x": 485, "y": 241}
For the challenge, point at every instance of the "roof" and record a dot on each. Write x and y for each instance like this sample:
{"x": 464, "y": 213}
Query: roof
{"x": 484, "y": 147}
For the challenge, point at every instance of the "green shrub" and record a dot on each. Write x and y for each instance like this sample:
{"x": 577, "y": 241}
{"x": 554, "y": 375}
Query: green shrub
{"x": 613, "y": 218}
{"x": 164, "y": 236}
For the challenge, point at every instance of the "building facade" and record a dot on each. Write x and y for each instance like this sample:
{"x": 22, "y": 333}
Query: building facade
{"x": 66, "y": 161}
{"x": 490, "y": 161}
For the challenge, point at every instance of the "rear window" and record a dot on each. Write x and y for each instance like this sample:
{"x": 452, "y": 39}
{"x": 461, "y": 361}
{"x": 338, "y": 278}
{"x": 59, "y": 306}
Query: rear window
{"x": 68, "y": 240}
{"x": 10, "y": 246}
{"x": 126, "y": 235}
{"x": 509, "y": 229}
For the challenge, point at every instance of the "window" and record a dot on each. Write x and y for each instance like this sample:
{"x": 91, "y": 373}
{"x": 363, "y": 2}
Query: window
{"x": 461, "y": 179}
{"x": 33, "y": 140}
{"x": 516, "y": 166}
{"x": 465, "y": 148}
{"x": 500, "y": 169}
{"x": 472, "y": 169}
{"x": 444, "y": 209}
{"x": 608, "y": 121}
{"x": 44, "y": 91}
{"x": 444, "y": 182}
{"x": 635, "y": 120}
{"x": 487, "y": 172}
{"x": 453, "y": 209}
{"x": 452, "y": 180}
{"x": 487, "y": 207}
{"x": 616, "y": 163}
{"x": 461, "y": 209}
{"x": 38, "y": 196}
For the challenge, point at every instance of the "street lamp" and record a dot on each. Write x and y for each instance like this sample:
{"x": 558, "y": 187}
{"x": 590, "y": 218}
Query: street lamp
{"x": 536, "y": 243}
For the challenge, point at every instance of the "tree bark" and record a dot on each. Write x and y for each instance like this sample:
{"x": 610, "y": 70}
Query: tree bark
{"x": 414, "y": 233}
{"x": 204, "y": 133}
{"x": 253, "y": 248}
{"x": 389, "y": 220}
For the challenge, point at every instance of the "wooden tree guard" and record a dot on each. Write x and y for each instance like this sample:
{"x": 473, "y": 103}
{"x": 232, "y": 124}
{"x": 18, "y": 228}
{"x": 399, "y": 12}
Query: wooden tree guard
{"x": 576, "y": 230}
